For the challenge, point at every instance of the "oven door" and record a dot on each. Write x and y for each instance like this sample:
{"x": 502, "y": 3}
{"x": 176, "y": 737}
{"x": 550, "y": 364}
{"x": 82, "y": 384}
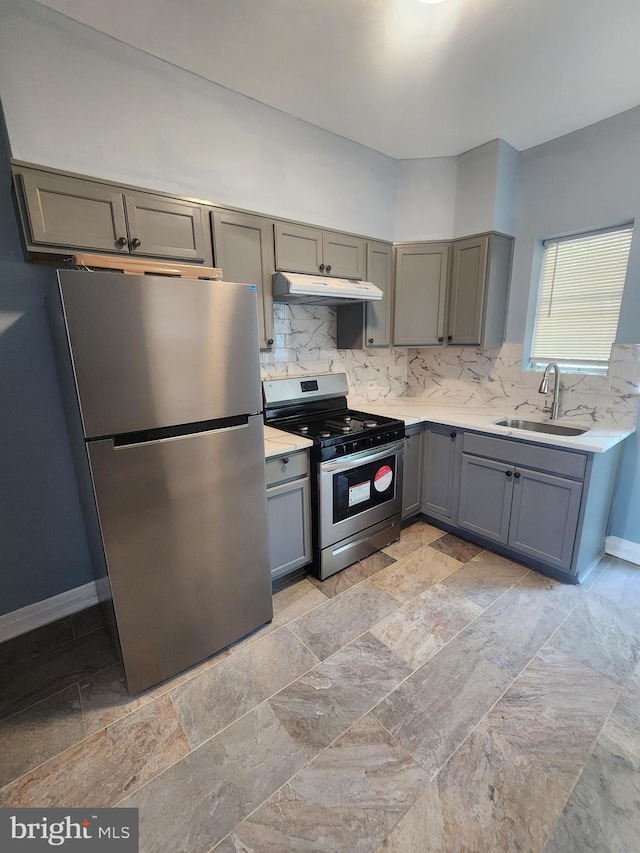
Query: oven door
{"x": 358, "y": 491}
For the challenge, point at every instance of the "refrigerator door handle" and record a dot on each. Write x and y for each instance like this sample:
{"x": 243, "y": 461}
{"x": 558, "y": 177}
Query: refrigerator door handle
{"x": 162, "y": 435}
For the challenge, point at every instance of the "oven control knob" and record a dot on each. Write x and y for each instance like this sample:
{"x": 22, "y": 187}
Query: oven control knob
{"x": 340, "y": 450}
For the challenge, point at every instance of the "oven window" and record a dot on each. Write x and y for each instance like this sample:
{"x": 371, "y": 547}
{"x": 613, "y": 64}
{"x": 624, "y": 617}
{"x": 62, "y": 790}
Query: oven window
{"x": 363, "y": 488}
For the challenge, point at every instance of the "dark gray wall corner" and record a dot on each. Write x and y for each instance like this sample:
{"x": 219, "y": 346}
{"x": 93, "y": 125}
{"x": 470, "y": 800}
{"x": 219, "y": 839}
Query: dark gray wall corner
{"x": 43, "y": 548}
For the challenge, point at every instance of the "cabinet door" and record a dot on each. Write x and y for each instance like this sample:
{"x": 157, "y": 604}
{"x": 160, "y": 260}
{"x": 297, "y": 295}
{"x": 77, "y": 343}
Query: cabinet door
{"x": 343, "y": 256}
{"x": 298, "y": 248}
{"x": 289, "y": 511}
{"x": 70, "y": 213}
{"x": 486, "y": 488}
{"x": 544, "y": 516}
{"x": 420, "y": 293}
{"x": 378, "y": 314}
{"x": 412, "y": 472}
{"x": 468, "y": 289}
{"x": 162, "y": 228}
{"x": 366, "y": 325}
{"x": 440, "y": 481}
{"x": 243, "y": 248}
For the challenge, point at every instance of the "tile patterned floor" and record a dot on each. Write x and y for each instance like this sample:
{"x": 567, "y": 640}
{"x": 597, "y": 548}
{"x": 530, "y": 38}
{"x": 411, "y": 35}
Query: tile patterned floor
{"x": 433, "y": 697}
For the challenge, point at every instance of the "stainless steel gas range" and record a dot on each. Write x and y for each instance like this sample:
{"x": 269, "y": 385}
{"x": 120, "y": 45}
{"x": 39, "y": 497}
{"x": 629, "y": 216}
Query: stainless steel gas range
{"x": 356, "y": 467}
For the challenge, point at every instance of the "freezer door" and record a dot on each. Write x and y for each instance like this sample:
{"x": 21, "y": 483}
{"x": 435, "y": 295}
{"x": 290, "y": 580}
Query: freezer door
{"x": 184, "y": 526}
{"x": 151, "y": 351}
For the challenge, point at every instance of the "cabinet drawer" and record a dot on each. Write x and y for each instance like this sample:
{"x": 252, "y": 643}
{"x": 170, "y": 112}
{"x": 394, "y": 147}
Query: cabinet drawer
{"x": 279, "y": 471}
{"x": 563, "y": 462}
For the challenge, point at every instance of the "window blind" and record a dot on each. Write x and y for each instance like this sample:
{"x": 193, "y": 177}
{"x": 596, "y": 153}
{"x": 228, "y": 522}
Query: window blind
{"x": 579, "y": 299}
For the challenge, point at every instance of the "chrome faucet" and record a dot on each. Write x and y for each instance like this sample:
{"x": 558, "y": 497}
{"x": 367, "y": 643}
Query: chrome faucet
{"x": 544, "y": 387}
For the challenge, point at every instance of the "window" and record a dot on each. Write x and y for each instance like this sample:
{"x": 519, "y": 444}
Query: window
{"x": 579, "y": 299}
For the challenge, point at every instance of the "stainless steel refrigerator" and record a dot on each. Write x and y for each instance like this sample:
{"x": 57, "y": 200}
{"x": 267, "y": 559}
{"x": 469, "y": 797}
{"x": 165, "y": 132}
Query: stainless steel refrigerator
{"x": 163, "y": 391}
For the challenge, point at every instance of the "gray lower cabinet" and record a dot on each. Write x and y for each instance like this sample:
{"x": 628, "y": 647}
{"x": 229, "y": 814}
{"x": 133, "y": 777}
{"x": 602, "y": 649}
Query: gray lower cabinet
{"x": 303, "y": 249}
{"x": 532, "y": 512}
{"x": 546, "y": 506}
{"x": 289, "y": 509}
{"x": 243, "y": 249}
{"x": 486, "y": 489}
{"x": 420, "y": 294}
{"x": 441, "y": 472}
{"x": 412, "y": 471}
{"x": 368, "y": 325}
{"x": 524, "y": 496}
{"x": 544, "y": 516}
{"x": 63, "y": 214}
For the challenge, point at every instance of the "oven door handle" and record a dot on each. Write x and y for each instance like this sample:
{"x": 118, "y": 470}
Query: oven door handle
{"x": 361, "y": 458}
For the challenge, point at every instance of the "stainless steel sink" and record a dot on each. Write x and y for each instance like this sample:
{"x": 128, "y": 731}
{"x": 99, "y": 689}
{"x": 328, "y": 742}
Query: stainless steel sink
{"x": 540, "y": 426}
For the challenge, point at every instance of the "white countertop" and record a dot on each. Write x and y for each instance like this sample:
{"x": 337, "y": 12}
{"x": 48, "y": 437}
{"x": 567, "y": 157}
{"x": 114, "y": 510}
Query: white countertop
{"x": 597, "y": 439}
{"x": 279, "y": 443}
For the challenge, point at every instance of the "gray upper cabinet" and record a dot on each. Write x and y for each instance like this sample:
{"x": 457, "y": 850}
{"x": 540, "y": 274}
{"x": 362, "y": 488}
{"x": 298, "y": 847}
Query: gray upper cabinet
{"x": 378, "y": 314}
{"x": 368, "y": 324}
{"x": 343, "y": 255}
{"x": 460, "y": 301}
{"x": 480, "y": 272}
{"x": 165, "y": 228}
{"x": 243, "y": 248}
{"x": 66, "y": 214}
{"x": 420, "y": 294}
{"x": 300, "y": 248}
{"x": 466, "y": 296}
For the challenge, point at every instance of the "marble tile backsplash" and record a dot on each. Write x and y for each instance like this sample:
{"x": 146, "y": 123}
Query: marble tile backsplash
{"x": 493, "y": 377}
{"x": 305, "y": 342}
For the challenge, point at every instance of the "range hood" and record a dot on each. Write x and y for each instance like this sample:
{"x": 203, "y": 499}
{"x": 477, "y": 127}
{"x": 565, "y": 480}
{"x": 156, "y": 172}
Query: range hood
{"x": 321, "y": 290}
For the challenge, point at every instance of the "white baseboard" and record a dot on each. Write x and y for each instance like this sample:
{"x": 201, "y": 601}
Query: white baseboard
{"x": 43, "y": 612}
{"x": 623, "y": 548}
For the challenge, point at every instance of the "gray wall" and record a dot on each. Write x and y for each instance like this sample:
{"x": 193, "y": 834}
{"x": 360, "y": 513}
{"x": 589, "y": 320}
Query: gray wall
{"x": 43, "y": 549}
{"x": 587, "y": 179}
{"x": 76, "y": 99}
{"x": 425, "y": 199}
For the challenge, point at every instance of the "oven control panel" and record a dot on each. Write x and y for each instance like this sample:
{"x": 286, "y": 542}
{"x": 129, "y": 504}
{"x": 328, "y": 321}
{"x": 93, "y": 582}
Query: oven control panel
{"x": 357, "y": 445}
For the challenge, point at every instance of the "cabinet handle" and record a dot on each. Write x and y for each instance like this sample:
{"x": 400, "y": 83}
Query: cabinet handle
{"x": 270, "y": 342}
{"x": 509, "y": 473}
{"x": 121, "y": 241}
{"x": 449, "y": 338}
{"x": 440, "y": 339}
{"x": 328, "y": 269}
{"x": 370, "y": 340}
{"x": 321, "y": 267}
{"x": 516, "y": 476}
{"x": 285, "y": 460}
{"x": 453, "y": 434}
{"x": 135, "y": 243}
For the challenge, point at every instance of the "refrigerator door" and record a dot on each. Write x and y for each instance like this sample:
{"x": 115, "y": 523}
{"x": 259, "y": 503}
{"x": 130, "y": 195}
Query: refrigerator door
{"x": 151, "y": 351}
{"x": 184, "y": 526}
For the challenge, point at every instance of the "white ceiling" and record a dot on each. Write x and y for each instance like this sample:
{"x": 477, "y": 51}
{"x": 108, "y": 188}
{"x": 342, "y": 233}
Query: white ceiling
{"x": 402, "y": 77}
